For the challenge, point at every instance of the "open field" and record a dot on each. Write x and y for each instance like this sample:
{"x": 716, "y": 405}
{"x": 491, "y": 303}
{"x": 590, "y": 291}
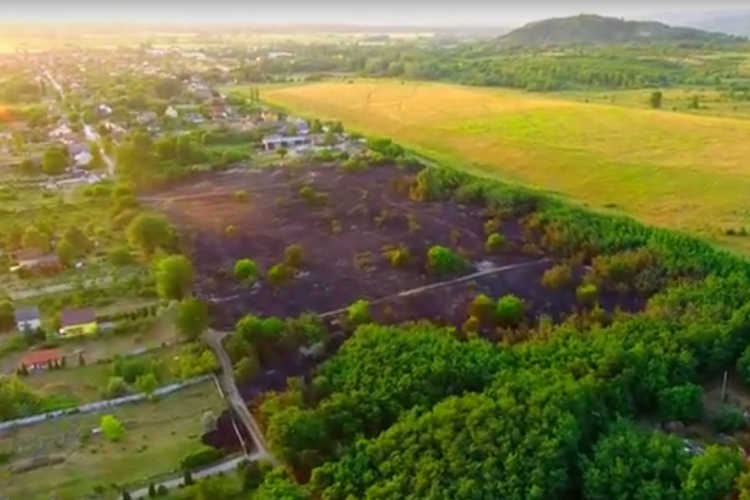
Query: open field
{"x": 672, "y": 169}
{"x": 343, "y": 243}
{"x": 157, "y": 436}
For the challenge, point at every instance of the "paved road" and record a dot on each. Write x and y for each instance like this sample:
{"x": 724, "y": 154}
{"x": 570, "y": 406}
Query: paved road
{"x": 227, "y": 466}
{"x": 88, "y": 130}
{"x": 232, "y": 394}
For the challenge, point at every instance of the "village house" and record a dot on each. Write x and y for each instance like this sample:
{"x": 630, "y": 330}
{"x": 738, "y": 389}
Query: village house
{"x": 275, "y": 141}
{"x": 34, "y": 259}
{"x": 147, "y": 117}
{"x": 60, "y": 132}
{"x": 42, "y": 360}
{"x": 78, "y": 322}
{"x": 28, "y": 319}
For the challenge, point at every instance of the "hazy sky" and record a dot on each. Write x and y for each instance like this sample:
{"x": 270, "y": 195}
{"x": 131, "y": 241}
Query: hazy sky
{"x": 370, "y": 12}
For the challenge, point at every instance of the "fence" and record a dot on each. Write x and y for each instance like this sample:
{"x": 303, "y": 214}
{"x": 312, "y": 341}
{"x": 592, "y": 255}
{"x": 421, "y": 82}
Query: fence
{"x": 100, "y": 405}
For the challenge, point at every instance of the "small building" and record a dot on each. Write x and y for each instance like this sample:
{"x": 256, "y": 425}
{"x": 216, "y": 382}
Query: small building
{"x": 45, "y": 263}
{"x": 103, "y": 110}
{"x": 28, "y": 319}
{"x": 147, "y": 117}
{"x": 274, "y": 142}
{"x": 82, "y": 159}
{"x": 42, "y": 360}
{"x": 78, "y": 322}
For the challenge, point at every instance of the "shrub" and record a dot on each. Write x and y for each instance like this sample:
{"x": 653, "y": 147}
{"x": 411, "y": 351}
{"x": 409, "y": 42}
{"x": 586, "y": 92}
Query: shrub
{"x": 280, "y": 274}
{"x": 683, "y": 403}
{"x": 495, "y": 242}
{"x": 482, "y": 308}
{"x": 509, "y": 310}
{"x": 443, "y": 260}
{"x": 241, "y": 196}
{"x": 587, "y": 293}
{"x": 246, "y": 270}
{"x": 397, "y": 257}
{"x": 293, "y": 256}
{"x": 471, "y": 325}
{"x": 558, "y": 276}
{"x": 121, "y": 257}
{"x": 359, "y": 312}
{"x": 112, "y": 428}
{"x": 205, "y": 455}
{"x": 162, "y": 490}
{"x": 246, "y": 369}
{"x": 116, "y": 387}
{"x": 729, "y": 420}
{"x": 133, "y": 367}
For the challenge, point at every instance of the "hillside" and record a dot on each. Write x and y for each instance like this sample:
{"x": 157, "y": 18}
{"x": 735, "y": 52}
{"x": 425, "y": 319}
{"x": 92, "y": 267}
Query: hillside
{"x": 587, "y": 29}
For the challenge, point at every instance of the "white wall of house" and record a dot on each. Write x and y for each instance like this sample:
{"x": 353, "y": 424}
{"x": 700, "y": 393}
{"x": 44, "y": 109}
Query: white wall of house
{"x": 29, "y": 325}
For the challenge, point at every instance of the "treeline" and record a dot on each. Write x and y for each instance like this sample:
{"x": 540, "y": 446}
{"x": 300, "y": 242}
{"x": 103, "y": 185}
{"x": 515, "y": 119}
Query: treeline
{"x": 412, "y": 412}
{"x": 489, "y": 64}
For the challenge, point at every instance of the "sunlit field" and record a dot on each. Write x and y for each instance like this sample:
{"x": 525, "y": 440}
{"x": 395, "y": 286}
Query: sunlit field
{"x": 675, "y": 169}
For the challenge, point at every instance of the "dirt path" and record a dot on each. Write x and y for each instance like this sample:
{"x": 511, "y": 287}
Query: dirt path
{"x": 232, "y": 394}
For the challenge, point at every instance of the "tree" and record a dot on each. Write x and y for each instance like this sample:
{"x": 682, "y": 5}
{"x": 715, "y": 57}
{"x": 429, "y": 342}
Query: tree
{"x": 509, "y": 310}
{"x": 246, "y": 369}
{"x": 148, "y": 232}
{"x": 483, "y": 309}
{"x": 294, "y": 256}
{"x": 558, "y": 276}
{"x": 78, "y": 239}
{"x": 246, "y": 270}
{"x": 495, "y": 242}
{"x": 632, "y": 463}
{"x": 112, "y": 428}
{"x": 66, "y": 253}
{"x": 126, "y": 495}
{"x": 713, "y": 473}
{"x": 282, "y": 152}
{"x": 187, "y": 478}
{"x": 191, "y": 318}
{"x": 316, "y": 127}
{"x": 252, "y": 474}
{"x": 97, "y": 158}
{"x": 656, "y": 99}
{"x": 116, "y": 387}
{"x": 174, "y": 277}
{"x": 147, "y": 384}
{"x": 34, "y": 238}
{"x": 152, "y": 490}
{"x": 443, "y": 260}
{"x": 682, "y": 403}
{"x": 55, "y": 161}
{"x": 7, "y": 316}
{"x": 359, "y": 312}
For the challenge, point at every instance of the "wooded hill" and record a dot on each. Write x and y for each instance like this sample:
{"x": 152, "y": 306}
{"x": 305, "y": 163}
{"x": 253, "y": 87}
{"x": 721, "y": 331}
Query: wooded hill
{"x": 589, "y": 29}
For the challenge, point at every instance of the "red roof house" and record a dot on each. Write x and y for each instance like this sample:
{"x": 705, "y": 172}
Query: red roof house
{"x": 40, "y": 360}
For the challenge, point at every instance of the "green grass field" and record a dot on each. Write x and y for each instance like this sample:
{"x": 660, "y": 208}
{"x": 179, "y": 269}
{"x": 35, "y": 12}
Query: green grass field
{"x": 674, "y": 169}
{"x": 158, "y": 435}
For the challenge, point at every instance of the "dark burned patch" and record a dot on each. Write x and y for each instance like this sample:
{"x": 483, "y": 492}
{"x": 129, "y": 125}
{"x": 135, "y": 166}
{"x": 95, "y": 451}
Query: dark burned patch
{"x": 344, "y": 221}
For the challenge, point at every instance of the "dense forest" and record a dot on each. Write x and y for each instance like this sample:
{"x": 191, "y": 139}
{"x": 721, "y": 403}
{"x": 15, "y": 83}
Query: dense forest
{"x": 573, "y": 411}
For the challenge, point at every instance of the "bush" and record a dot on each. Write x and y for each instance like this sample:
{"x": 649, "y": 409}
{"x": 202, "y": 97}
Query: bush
{"x": 682, "y": 403}
{"x": 162, "y": 490}
{"x": 116, "y": 387}
{"x": 112, "y": 428}
{"x": 587, "y": 294}
{"x": 241, "y": 196}
{"x": 397, "y": 257}
{"x": 359, "y": 312}
{"x": 246, "y": 270}
{"x": 482, "y": 308}
{"x": 509, "y": 310}
{"x": 558, "y": 276}
{"x": 131, "y": 368}
{"x": 729, "y": 420}
{"x": 443, "y": 260}
{"x": 205, "y": 455}
{"x": 293, "y": 256}
{"x": 495, "y": 242}
{"x": 280, "y": 274}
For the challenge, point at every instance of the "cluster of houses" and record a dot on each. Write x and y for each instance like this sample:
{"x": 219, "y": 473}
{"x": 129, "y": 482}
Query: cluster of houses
{"x": 73, "y": 323}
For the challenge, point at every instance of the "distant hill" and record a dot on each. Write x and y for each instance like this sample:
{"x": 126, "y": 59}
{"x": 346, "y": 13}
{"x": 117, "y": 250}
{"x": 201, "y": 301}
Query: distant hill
{"x": 733, "y": 22}
{"x": 589, "y": 29}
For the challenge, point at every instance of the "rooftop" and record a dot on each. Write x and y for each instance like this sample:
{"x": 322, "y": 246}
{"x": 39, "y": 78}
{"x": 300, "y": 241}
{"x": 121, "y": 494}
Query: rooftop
{"x": 73, "y": 317}
{"x": 27, "y": 314}
{"x": 41, "y": 357}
